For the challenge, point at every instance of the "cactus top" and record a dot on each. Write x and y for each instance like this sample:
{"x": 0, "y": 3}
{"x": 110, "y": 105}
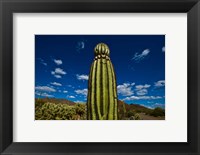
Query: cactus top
{"x": 101, "y": 49}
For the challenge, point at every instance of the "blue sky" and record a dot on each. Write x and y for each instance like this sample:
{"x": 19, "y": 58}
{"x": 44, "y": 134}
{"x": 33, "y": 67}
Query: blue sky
{"x": 62, "y": 65}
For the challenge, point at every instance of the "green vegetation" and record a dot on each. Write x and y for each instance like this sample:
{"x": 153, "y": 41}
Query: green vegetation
{"x": 158, "y": 112}
{"x": 102, "y": 90}
{"x": 59, "y": 111}
{"x": 135, "y": 111}
{"x": 137, "y": 116}
{"x": 68, "y": 110}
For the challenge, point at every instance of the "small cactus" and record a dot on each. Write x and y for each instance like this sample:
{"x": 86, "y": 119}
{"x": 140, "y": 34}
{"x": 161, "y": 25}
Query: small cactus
{"x": 137, "y": 116}
{"x": 102, "y": 92}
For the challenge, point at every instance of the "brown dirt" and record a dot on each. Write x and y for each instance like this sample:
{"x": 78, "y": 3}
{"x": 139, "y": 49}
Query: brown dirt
{"x": 147, "y": 117}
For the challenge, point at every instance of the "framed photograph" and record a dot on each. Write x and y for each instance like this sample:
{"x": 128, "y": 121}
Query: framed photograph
{"x": 99, "y": 76}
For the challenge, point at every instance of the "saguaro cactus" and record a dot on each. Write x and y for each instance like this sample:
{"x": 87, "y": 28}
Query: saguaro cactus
{"x": 102, "y": 92}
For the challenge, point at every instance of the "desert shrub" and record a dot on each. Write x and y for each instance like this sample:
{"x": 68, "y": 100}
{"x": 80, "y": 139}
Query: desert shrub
{"x": 139, "y": 111}
{"x": 137, "y": 116}
{"x": 131, "y": 118}
{"x": 38, "y": 103}
{"x": 80, "y": 108}
{"x": 158, "y": 112}
{"x": 130, "y": 113}
{"x": 52, "y": 111}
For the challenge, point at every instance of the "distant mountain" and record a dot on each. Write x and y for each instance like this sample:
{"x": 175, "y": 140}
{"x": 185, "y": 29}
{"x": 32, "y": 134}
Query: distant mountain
{"x": 133, "y": 107}
{"x": 54, "y": 100}
{"x": 121, "y": 104}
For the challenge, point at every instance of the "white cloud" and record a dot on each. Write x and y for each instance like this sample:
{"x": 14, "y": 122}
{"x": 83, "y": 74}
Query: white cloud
{"x": 142, "y": 89}
{"x": 154, "y": 105}
{"x": 70, "y": 96}
{"x": 81, "y": 91}
{"x": 159, "y": 104}
{"x": 43, "y": 94}
{"x": 82, "y": 77}
{"x": 58, "y": 76}
{"x": 80, "y": 45}
{"x": 60, "y": 71}
{"x": 45, "y": 88}
{"x": 142, "y": 86}
{"x": 65, "y": 91}
{"x": 58, "y": 62}
{"x": 160, "y": 83}
{"x": 78, "y": 101}
{"x": 56, "y": 84}
{"x": 142, "y": 92}
{"x": 138, "y": 57}
{"x": 163, "y": 49}
{"x": 42, "y": 61}
{"x": 141, "y": 98}
{"x": 125, "y": 89}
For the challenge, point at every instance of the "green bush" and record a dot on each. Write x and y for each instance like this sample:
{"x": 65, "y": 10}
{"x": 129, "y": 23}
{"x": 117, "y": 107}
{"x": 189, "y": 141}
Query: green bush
{"x": 158, "y": 112}
{"x": 137, "y": 116}
{"x": 130, "y": 113}
{"x": 52, "y": 111}
{"x": 134, "y": 116}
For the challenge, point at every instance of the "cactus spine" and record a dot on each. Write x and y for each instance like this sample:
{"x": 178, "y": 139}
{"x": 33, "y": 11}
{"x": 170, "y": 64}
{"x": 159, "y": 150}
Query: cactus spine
{"x": 102, "y": 92}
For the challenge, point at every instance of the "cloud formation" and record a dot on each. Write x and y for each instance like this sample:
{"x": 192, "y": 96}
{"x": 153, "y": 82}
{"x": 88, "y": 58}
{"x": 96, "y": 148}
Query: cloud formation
{"x": 125, "y": 89}
{"x": 142, "y": 92}
{"x": 142, "y": 89}
{"x": 70, "y": 96}
{"x": 138, "y": 57}
{"x": 163, "y": 49}
{"x": 65, "y": 91}
{"x": 42, "y": 61}
{"x": 82, "y": 91}
{"x": 43, "y": 94}
{"x": 160, "y": 83}
{"x": 57, "y": 76}
{"x": 78, "y": 101}
{"x": 82, "y": 77}
{"x": 80, "y": 45}
{"x": 58, "y": 72}
{"x": 131, "y": 98}
{"x": 56, "y": 84}
{"x": 45, "y": 89}
{"x": 142, "y": 86}
{"x": 154, "y": 105}
{"x": 57, "y": 62}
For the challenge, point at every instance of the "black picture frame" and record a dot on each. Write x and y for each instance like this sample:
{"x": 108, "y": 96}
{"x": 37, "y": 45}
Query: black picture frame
{"x": 8, "y": 7}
